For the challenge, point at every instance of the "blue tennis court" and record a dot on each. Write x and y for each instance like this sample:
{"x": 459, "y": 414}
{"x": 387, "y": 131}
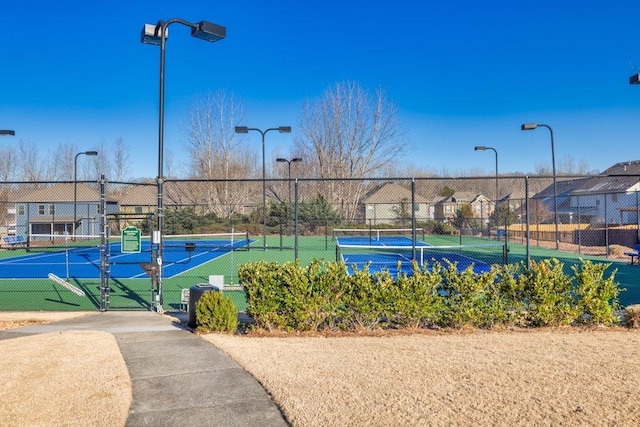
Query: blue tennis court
{"x": 84, "y": 262}
{"x": 395, "y": 254}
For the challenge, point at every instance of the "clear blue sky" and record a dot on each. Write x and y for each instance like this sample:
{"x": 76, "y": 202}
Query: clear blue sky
{"x": 462, "y": 73}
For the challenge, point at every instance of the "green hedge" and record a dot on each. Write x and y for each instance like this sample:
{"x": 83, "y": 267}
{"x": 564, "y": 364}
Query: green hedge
{"x": 322, "y": 295}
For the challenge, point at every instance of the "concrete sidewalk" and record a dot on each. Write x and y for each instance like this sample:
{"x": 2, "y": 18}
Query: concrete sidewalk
{"x": 177, "y": 377}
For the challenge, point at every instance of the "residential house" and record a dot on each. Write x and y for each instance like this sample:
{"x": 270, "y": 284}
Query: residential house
{"x": 612, "y": 197}
{"x": 61, "y": 208}
{"x": 445, "y": 208}
{"x": 391, "y": 204}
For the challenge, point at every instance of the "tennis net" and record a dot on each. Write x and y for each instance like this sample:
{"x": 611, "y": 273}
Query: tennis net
{"x": 397, "y": 259}
{"x": 179, "y": 242}
{"x": 375, "y": 236}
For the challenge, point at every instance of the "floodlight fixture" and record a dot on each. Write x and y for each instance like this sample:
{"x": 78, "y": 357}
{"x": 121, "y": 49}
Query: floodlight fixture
{"x": 288, "y": 162}
{"x": 635, "y": 79}
{"x": 532, "y": 126}
{"x": 7, "y": 132}
{"x": 246, "y": 129}
{"x": 157, "y": 35}
{"x": 75, "y": 189}
{"x": 208, "y": 31}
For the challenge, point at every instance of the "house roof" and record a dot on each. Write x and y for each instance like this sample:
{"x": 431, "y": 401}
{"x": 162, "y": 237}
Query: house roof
{"x": 140, "y": 195}
{"x": 621, "y": 177}
{"x": 181, "y": 193}
{"x": 392, "y": 193}
{"x": 62, "y": 193}
{"x": 462, "y": 197}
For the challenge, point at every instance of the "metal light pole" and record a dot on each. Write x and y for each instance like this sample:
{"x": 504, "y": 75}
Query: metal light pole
{"x": 295, "y": 159}
{"x": 531, "y": 126}
{"x": 282, "y": 160}
{"x": 484, "y": 148}
{"x": 281, "y": 129}
{"x": 157, "y": 35}
{"x": 75, "y": 186}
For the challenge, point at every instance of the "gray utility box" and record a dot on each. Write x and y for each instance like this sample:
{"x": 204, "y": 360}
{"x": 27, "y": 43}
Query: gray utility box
{"x": 195, "y": 293}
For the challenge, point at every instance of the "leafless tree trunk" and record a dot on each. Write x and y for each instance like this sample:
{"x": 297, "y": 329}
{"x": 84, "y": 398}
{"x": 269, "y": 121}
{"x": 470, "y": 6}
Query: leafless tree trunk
{"x": 34, "y": 168}
{"x": 121, "y": 163}
{"x": 348, "y": 133}
{"x": 216, "y": 152}
{"x": 8, "y": 163}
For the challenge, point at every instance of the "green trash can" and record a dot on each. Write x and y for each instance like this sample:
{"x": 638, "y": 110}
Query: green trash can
{"x": 195, "y": 293}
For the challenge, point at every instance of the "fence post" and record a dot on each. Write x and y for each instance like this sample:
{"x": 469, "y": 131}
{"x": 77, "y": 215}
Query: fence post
{"x": 526, "y": 214}
{"x": 295, "y": 243}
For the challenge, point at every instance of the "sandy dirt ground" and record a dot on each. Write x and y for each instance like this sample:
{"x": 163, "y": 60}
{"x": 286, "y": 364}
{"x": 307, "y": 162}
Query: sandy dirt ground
{"x": 464, "y": 379}
{"x": 75, "y": 378}
{"x": 549, "y": 377}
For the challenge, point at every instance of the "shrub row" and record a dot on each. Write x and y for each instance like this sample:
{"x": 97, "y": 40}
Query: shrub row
{"x": 322, "y": 295}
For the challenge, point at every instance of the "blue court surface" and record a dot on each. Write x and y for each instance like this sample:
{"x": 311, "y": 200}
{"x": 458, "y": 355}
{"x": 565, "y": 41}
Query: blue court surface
{"x": 84, "y": 262}
{"x": 395, "y": 254}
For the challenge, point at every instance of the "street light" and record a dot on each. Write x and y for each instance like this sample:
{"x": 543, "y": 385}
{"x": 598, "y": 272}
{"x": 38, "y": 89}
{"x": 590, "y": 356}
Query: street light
{"x": 281, "y": 129}
{"x": 282, "y": 160}
{"x": 75, "y": 185}
{"x": 157, "y": 35}
{"x": 484, "y": 148}
{"x": 295, "y": 159}
{"x": 532, "y": 126}
{"x": 7, "y": 132}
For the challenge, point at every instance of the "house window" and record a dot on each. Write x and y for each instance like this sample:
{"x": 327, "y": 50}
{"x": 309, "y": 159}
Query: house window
{"x": 137, "y": 209}
{"x": 41, "y": 228}
{"x": 20, "y": 209}
{"x": 614, "y": 197}
{"x": 40, "y": 209}
{"x": 52, "y": 209}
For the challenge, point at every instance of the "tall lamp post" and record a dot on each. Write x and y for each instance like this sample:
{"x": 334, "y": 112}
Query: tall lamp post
{"x": 295, "y": 159}
{"x": 157, "y": 35}
{"x": 532, "y": 126}
{"x": 484, "y": 148}
{"x": 281, "y": 129}
{"x": 75, "y": 186}
{"x": 282, "y": 160}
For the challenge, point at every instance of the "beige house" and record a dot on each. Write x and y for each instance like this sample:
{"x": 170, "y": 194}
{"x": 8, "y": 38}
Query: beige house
{"x": 445, "y": 208}
{"x": 391, "y": 204}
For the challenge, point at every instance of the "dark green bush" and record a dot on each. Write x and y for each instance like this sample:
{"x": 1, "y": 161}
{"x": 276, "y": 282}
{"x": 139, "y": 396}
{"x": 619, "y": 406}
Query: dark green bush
{"x": 215, "y": 312}
{"x": 549, "y": 293}
{"x": 597, "y": 297}
{"x": 322, "y": 295}
{"x": 416, "y": 301}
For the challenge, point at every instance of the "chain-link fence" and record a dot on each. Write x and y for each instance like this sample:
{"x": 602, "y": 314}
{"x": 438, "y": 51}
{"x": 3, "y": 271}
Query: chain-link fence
{"x": 531, "y": 217}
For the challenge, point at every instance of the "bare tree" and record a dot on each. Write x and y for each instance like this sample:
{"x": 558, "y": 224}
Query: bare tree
{"x": 216, "y": 152}
{"x": 113, "y": 161}
{"x": 33, "y": 167}
{"x": 348, "y": 134}
{"x": 8, "y": 163}
{"x": 63, "y": 158}
{"x": 121, "y": 163}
